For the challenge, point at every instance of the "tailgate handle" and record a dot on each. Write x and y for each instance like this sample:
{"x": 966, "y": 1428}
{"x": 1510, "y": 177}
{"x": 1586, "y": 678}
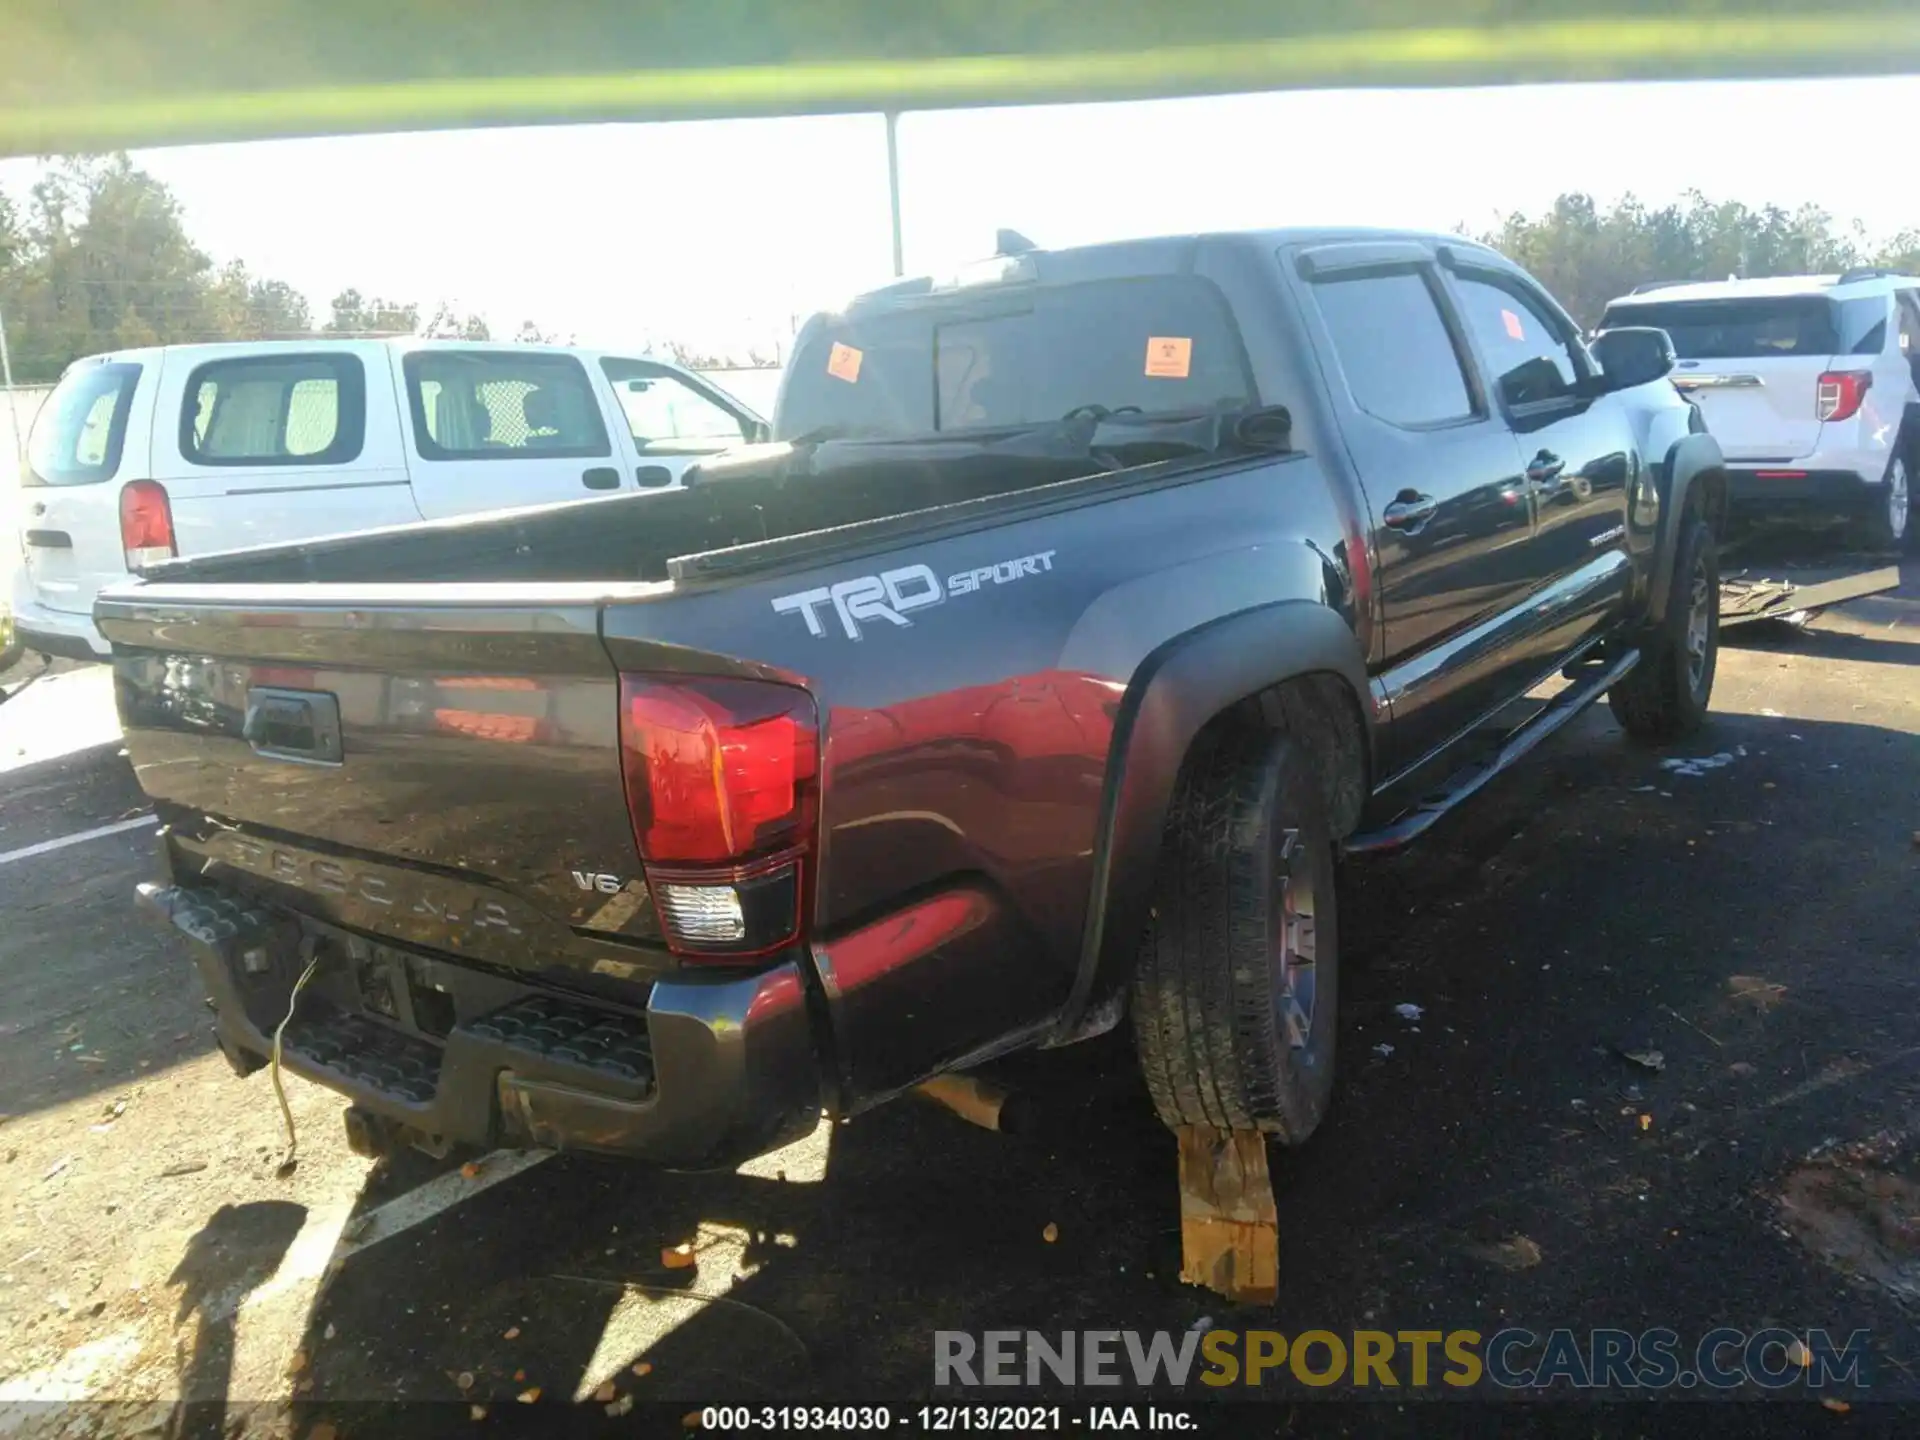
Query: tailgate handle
{"x": 49, "y": 539}
{"x": 301, "y": 726}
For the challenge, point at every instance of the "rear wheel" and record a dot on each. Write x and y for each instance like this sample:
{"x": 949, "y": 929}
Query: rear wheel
{"x": 1234, "y": 993}
{"x": 1888, "y": 526}
{"x": 1665, "y": 696}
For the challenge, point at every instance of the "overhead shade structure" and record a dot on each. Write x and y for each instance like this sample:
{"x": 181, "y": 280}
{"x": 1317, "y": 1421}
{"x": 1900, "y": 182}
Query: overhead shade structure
{"x": 99, "y": 74}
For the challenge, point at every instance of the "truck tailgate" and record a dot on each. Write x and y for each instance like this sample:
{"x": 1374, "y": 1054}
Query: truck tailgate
{"x": 447, "y": 774}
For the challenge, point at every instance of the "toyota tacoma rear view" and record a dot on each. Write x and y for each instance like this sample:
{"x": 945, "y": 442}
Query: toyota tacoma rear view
{"x": 1086, "y": 608}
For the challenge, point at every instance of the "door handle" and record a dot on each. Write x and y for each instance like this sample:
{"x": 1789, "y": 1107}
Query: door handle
{"x": 601, "y": 477}
{"x": 653, "y": 477}
{"x": 1544, "y": 467}
{"x": 1410, "y": 511}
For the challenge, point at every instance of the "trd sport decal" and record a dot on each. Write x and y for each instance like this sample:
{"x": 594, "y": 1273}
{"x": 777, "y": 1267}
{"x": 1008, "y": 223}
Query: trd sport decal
{"x": 893, "y": 594}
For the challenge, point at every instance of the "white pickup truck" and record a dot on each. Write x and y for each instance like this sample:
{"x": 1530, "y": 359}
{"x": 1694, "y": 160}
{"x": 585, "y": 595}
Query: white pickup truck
{"x": 143, "y": 455}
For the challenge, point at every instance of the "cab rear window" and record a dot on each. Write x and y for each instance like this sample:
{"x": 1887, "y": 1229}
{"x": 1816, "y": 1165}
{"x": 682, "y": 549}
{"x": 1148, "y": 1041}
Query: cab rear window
{"x": 1158, "y": 345}
{"x": 82, "y": 427}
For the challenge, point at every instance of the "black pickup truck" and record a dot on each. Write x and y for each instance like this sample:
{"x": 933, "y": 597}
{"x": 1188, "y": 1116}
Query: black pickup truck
{"x": 1087, "y": 607}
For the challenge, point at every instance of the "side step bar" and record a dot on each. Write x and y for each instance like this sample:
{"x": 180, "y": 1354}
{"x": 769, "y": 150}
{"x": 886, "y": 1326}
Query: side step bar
{"x": 1592, "y": 682}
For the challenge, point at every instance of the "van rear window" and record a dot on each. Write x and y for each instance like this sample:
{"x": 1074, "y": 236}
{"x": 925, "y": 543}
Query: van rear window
{"x": 1002, "y": 358}
{"x": 275, "y": 409}
{"x": 82, "y": 426}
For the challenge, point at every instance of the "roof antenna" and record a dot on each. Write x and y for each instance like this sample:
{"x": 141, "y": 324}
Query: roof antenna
{"x": 1011, "y": 242}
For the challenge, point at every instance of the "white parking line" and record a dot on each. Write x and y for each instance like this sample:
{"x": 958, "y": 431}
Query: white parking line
{"x": 424, "y": 1202}
{"x": 27, "y": 852}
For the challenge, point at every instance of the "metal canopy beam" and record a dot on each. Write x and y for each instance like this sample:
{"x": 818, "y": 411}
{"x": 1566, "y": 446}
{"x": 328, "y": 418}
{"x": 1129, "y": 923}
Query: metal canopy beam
{"x": 95, "y": 74}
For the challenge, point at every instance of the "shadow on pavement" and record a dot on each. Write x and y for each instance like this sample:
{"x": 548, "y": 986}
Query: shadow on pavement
{"x": 1752, "y": 925}
{"x": 1778, "y": 637}
{"x": 236, "y": 1251}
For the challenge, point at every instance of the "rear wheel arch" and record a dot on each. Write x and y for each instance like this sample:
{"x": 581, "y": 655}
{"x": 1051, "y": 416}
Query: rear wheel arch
{"x": 1708, "y": 498}
{"x": 1694, "y": 484}
{"x": 1295, "y": 667}
{"x": 1908, "y": 442}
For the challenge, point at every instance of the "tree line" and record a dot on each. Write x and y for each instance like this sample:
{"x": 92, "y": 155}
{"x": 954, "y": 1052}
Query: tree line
{"x": 98, "y": 258}
{"x": 1587, "y": 254}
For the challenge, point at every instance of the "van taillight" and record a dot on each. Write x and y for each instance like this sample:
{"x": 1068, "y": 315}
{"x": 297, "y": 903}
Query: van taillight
{"x": 722, "y": 786}
{"x": 1838, "y": 394}
{"x": 146, "y": 524}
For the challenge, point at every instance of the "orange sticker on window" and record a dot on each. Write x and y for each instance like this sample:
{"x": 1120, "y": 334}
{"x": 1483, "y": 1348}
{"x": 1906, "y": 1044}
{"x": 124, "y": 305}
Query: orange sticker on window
{"x": 843, "y": 362}
{"x": 1512, "y": 322}
{"x": 1169, "y": 357}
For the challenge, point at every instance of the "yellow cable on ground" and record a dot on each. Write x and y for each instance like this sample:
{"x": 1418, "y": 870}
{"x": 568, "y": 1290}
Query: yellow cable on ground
{"x": 292, "y": 1157}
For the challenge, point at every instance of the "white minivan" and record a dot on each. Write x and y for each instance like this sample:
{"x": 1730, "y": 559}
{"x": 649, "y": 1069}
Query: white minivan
{"x": 142, "y": 455}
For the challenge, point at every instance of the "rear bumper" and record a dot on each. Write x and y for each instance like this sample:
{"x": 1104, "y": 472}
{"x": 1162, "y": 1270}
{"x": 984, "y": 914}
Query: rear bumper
{"x": 55, "y": 632}
{"x": 713, "y": 1071}
{"x": 1756, "y": 491}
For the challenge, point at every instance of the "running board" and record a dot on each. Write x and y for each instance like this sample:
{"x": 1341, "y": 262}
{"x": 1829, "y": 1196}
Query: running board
{"x": 1594, "y": 682}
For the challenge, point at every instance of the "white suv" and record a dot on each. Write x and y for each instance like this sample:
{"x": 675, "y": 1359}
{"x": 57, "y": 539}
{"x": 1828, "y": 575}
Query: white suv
{"x": 1811, "y": 384}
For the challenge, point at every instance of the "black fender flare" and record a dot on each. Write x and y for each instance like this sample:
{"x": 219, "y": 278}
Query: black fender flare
{"x": 1175, "y": 691}
{"x": 1689, "y": 458}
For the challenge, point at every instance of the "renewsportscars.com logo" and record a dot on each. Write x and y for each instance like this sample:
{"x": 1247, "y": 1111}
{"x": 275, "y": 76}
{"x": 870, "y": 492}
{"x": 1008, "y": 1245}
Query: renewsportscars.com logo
{"x": 1510, "y": 1359}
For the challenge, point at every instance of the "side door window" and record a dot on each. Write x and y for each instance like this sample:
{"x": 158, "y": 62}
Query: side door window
{"x": 1398, "y": 359}
{"x": 497, "y": 428}
{"x": 1529, "y": 352}
{"x": 1441, "y": 476}
{"x": 668, "y": 417}
{"x": 1579, "y": 452}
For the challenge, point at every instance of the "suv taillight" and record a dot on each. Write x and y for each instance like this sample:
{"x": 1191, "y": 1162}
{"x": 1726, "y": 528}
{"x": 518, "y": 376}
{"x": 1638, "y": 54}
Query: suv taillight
{"x": 1838, "y": 394}
{"x": 722, "y": 786}
{"x": 146, "y": 524}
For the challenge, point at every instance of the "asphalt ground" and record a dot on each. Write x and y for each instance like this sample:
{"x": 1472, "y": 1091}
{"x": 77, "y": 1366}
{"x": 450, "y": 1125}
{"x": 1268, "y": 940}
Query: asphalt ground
{"x": 1501, "y": 1160}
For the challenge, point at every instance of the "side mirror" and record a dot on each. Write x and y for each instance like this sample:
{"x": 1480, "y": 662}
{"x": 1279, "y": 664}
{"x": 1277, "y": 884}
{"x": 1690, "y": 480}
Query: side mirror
{"x": 1633, "y": 355}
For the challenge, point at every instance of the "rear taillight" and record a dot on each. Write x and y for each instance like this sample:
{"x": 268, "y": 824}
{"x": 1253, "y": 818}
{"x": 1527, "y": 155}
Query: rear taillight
{"x": 1838, "y": 394}
{"x": 146, "y": 524}
{"x": 722, "y": 784}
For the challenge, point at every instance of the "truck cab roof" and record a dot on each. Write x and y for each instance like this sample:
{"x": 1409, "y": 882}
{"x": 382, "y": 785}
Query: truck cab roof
{"x": 1150, "y": 255}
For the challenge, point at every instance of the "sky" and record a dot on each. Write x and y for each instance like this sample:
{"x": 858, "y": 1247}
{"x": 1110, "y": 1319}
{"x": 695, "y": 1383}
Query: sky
{"x": 717, "y": 234}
